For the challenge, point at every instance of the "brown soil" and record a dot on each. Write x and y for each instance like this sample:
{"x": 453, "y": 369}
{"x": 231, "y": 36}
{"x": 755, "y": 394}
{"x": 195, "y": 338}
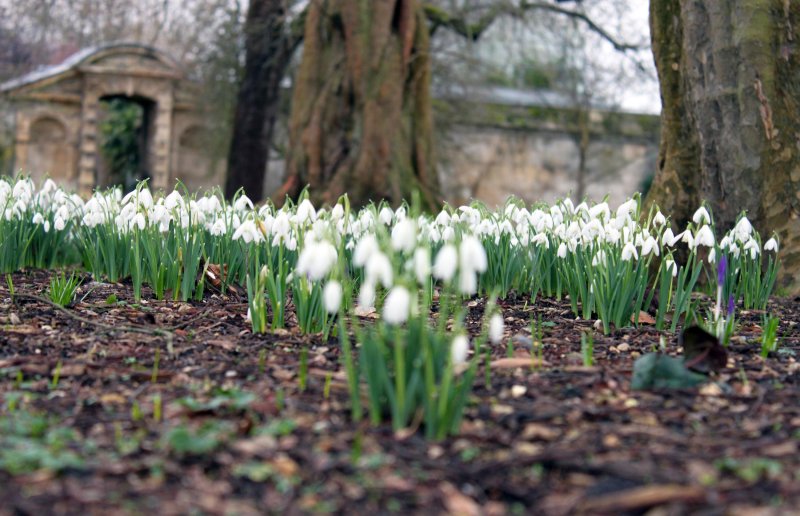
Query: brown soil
{"x": 557, "y": 438}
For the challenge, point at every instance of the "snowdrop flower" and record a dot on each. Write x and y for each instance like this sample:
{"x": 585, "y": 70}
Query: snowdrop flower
{"x": 599, "y": 258}
{"x": 541, "y": 240}
{"x": 459, "y": 349}
{"x": 306, "y": 212}
{"x": 449, "y": 234}
{"x": 496, "y": 328}
{"x": 385, "y": 216}
{"x": 59, "y": 224}
{"x": 38, "y": 218}
{"x": 704, "y": 236}
{"x": 562, "y": 250}
{"x": 628, "y": 252}
{"x": 46, "y": 226}
{"x": 365, "y": 248}
{"x": 670, "y": 265}
{"x": 712, "y": 256}
{"x": 472, "y": 254}
{"x": 443, "y": 218}
{"x": 667, "y": 237}
{"x": 173, "y": 200}
{"x": 248, "y": 232}
{"x": 316, "y": 259}
{"x": 687, "y": 238}
{"x": 701, "y": 216}
{"x": 397, "y": 305}
{"x": 218, "y": 227}
{"x": 600, "y": 211}
{"x": 752, "y": 246}
{"x": 404, "y": 236}
{"x": 379, "y": 268}
{"x": 337, "y": 212}
{"x": 422, "y": 265}
{"x": 625, "y": 209}
{"x": 650, "y": 245}
{"x": 332, "y": 296}
{"x": 444, "y": 267}
{"x": 659, "y": 219}
{"x": 366, "y": 296}
{"x": 243, "y": 203}
{"x": 771, "y": 245}
{"x": 743, "y": 229}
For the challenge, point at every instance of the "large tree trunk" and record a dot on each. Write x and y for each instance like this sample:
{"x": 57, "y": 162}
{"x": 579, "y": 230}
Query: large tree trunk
{"x": 361, "y": 111}
{"x": 268, "y": 49}
{"x": 730, "y": 87}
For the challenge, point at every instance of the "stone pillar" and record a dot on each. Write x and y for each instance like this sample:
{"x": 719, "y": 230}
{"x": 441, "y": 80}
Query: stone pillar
{"x": 162, "y": 142}
{"x": 87, "y": 163}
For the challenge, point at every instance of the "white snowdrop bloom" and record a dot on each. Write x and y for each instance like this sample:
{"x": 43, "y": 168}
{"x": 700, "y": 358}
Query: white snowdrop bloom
{"x": 364, "y": 249}
{"x": 59, "y": 224}
{"x": 629, "y": 251}
{"x": 712, "y": 256}
{"x": 567, "y": 207}
{"x": 671, "y": 266}
{"x": 627, "y": 208}
{"x": 422, "y": 265}
{"x": 332, "y": 296}
{"x": 385, "y": 216}
{"x": 600, "y": 211}
{"x": 281, "y": 225}
{"x": 701, "y": 216}
{"x": 49, "y": 186}
{"x": 400, "y": 213}
{"x": 650, "y": 245}
{"x": 443, "y": 218}
{"x": 541, "y": 240}
{"x": 379, "y": 269}
{"x": 496, "y": 328}
{"x": 771, "y": 245}
{"x": 704, "y": 236}
{"x": 38, "y": 218}
{"x": 449, "y": 234}
{"x": 316, "y": 259}
{"x": 659, "y": 219}
{"x": 218, "y": 227}
{"x": 46, "y": 226}
{"x": 397, "y": 305}
{"x": 337, "y": 212}
{"x": 752, "y": 247}
{"x": 306, "y": 212}
{"x": 667, "y": 237}
{"x": 138, "y": 221}
{"x": 599, "y": 258}
{"x": 472, "y": 254}
{"x": 467, "y": 282}
{"x": 243, "y": 203}
{"x": 688, "y": 239}
{"x": 444, "y": 267}
{"x": 459, "y": 349}
{"x": 173, "y": 200}
{"x": 366, "y": 296}
{"x": 404, "y": 236}
{"x": 248, "y": 232}
{"x": 725, "y": 242}
{"x": 743, "y": 229}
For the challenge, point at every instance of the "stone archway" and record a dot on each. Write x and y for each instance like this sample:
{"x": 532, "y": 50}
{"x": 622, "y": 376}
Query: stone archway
{"x": 71, "y": 94}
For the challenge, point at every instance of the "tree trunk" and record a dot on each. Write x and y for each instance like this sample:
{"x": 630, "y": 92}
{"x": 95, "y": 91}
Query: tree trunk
{"x": 361, "y": 118}
{"x": 730, "y": 88}
{"x": 268, "y": 50}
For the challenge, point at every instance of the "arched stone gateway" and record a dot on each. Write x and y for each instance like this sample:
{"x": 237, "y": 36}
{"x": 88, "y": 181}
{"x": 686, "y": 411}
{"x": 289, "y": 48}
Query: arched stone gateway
{"x": 58, "y": 113}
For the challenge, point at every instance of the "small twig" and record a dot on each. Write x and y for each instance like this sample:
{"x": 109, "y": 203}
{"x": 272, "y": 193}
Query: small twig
{"x": 108, "y": 327}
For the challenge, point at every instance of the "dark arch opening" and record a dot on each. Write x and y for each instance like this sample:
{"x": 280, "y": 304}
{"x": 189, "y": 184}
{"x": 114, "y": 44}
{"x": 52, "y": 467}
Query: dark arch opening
{"x": 125, "y": 131}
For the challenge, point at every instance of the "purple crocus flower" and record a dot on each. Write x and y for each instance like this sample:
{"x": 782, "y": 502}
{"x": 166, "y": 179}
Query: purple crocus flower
{"x": 731, "y": 305}
{"x": 722, "y": 268}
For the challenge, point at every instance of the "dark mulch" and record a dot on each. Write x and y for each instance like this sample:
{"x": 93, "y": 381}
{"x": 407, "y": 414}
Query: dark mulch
{"x": 559, "y": 438}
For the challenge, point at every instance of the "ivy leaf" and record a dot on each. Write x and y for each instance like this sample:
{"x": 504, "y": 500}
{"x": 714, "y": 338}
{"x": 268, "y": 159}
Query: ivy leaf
{"x": 659, "y": 371}
{"x": 702, "y": 351}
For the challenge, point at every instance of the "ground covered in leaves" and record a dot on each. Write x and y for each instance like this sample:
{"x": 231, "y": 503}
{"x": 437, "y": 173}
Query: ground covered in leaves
{"x": 175, "y": 408}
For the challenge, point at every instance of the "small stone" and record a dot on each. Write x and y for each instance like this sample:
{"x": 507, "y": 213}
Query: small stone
{"x": 517, "y": 391}
{"x": 13, "y": 318}
{"x": 623, "y": 347}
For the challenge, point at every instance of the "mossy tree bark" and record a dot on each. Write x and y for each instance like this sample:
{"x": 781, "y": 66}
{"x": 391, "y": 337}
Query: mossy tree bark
{"x": 730, "y": 88}
{"x": 361, "y": 120}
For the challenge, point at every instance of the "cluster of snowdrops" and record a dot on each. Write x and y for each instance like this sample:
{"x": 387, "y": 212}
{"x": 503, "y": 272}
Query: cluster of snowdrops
{"x": 410, "y": 271}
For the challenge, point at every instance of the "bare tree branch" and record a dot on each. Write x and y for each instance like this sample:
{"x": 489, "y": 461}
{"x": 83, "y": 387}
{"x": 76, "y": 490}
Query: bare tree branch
{"x": 439, "y": 17}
